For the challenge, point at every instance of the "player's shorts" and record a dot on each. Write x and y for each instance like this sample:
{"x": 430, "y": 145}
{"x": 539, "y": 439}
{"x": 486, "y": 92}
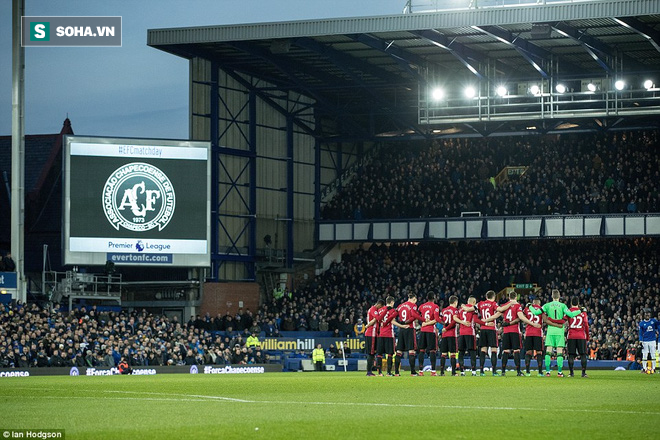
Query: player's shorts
{"x": 407, "y": 340}
{"x": 487, "y": 338}
{"x": 648, "y": 347}
{"x": 385, "y": 345}
{"x": 533, "y": 343}
{"x": 555, "y": 341}
{"x": 466, "y": 342}
{"x": 577, "y": 346}
{"x": 511, "y": 341}
{"x": 428, "y": 341}
{"x": 370, "y": 345}
{"x": 448, "y": 345}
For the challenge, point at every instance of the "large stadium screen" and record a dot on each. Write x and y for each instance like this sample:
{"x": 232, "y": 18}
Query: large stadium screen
{"x": 136, "y": 202}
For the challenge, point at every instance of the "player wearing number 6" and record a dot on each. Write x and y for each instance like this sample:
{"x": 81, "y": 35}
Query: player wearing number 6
{"x": 555, "y": 311}
{"x": 428, "y": 342}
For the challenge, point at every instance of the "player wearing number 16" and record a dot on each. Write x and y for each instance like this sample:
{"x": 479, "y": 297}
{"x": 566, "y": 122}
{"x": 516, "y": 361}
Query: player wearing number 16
{"x": 555, "y": 311}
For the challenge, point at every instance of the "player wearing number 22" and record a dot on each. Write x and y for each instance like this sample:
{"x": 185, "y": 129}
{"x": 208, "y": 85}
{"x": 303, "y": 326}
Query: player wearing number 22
{"x": 578, "y": 335}
{"x": 408, "y": 314}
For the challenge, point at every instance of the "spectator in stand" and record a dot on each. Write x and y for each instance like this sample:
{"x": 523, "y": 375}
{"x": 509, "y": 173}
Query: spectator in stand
{"x": 623, "y": 276}
{"x": 253, "y": 341}
{"x": 568, "y": 174}
{"x": 359, "y": 328}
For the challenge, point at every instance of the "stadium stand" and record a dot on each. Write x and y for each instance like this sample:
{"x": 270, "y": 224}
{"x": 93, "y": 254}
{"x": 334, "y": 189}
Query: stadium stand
{"x": 567, "y": 174}
{"x": 615, "y": 280}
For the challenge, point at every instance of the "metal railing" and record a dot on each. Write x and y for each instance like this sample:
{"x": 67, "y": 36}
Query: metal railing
{"x": 413, "y": 6}
{"x": 544, "y": 105}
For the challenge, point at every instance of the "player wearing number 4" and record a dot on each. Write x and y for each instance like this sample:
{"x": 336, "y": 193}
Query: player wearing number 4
{"x": 511, "y": 339}
{"x": 555, "y": 311}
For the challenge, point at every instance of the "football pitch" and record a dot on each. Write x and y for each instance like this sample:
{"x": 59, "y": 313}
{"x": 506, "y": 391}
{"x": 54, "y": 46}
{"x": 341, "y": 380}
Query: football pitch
{"x": 608, "y": 404}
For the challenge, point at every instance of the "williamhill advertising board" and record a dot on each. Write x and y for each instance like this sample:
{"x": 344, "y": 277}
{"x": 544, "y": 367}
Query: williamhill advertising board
{"x": 136, "y": 202}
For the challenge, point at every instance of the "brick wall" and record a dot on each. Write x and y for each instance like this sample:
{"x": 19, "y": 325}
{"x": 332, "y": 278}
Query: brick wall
{"x": 223, "y": 297}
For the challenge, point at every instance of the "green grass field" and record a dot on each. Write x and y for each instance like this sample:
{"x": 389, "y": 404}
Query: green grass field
{"x": 334, "y": 406}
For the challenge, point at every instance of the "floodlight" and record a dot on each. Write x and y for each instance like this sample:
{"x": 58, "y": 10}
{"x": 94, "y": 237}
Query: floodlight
{"x": 437, "y": 94}
{"x": 648, "y": 84}
{"x": 560, "y": 88}
{"x": 535, "y": 90}
{"x": 501, "y": 91}
{"x": 619, "y": 84}
{"x": 470, "y": 92}
{"x": 591, "y": 87}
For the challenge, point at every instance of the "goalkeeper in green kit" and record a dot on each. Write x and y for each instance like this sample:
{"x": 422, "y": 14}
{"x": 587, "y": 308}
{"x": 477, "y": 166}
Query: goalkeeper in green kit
{"x": 555, "y": 311}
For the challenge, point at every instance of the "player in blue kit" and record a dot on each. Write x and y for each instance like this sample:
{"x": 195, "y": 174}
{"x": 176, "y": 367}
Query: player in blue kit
{"x": 648, "y": 336}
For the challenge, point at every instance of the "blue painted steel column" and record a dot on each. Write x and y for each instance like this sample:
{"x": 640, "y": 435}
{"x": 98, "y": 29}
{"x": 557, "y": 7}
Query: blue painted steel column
{"x": 340, "y": 166}
{"x": 252, "y": 232}
{"x": 289, "y": 191}
{"x": 215, "y": 171}
{"x": 317, "y": 188}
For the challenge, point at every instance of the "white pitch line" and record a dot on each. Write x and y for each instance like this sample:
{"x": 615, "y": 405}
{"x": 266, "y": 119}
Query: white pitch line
{"x": 229, "y": 399}
{"x": 394, "y": 405}
{"x": 157, "y": 399}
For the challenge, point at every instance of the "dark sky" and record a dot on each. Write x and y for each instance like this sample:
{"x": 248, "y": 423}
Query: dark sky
{"x": 134, "y": 90}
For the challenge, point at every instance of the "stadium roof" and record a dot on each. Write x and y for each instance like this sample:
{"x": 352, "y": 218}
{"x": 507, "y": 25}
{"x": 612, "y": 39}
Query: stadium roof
{"x": 374, "y": 69}
{"x": 43, "y": 167}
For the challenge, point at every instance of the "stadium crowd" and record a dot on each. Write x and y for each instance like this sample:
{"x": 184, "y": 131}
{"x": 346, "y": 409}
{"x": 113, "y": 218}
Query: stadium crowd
{"x": 614, "y": 279}
{"x": 568, "y": 174}
{"x": 32, "y": 336}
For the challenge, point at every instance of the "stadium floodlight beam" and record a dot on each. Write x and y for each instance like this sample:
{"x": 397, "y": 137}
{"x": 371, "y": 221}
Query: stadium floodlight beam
{"x": 591, "y": 87}
{"x": 470, "y": 92}
{"x": 560, "y": 88}
{"x": 437, "y": 94}
{"x": 648, "y": 84}
{"x": 501, "y": 91}
{"x": 619, "y": 84}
